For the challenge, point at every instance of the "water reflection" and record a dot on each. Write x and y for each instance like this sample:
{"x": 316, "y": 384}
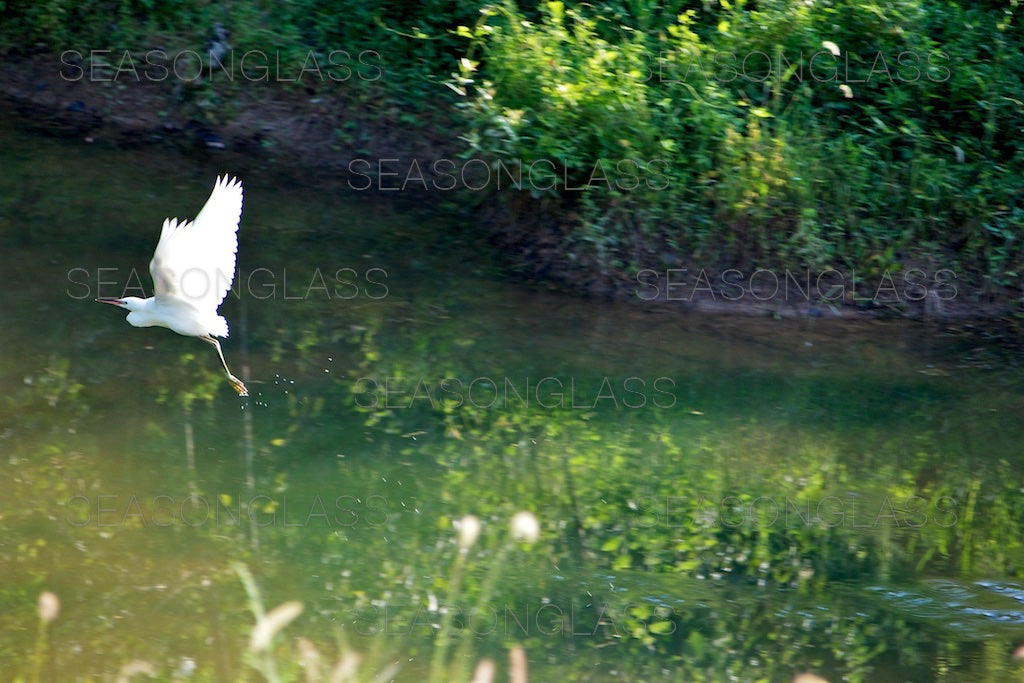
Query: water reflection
{"x": 717, "y": 497}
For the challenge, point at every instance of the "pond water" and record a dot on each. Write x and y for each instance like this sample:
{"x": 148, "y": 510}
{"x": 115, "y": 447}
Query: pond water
{"x": 719, "y": 498}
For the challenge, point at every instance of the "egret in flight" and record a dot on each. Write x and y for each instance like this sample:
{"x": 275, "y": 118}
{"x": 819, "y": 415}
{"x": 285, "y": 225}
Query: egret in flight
{"x": 193, "y": 268}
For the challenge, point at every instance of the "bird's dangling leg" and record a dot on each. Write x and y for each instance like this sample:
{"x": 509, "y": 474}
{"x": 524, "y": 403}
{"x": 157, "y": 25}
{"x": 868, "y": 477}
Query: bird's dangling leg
{"x": 235, "y": 382}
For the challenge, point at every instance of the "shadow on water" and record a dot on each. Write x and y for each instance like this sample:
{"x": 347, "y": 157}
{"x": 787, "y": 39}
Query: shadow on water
{"x": 718, "y": 497}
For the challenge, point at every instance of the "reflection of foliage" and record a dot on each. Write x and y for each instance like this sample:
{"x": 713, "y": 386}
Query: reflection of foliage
{"x": 49, "y": 397}
{"x": 646, "y": 556}
{"x": 660, "y": 491}
{"x": 202, "y": 385}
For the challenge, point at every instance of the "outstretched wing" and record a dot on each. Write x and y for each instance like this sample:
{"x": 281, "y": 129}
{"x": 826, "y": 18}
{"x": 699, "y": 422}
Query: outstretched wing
{"x": 196, "y": 261}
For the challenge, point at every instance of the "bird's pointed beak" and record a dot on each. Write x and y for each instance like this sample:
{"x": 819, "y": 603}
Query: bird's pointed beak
{"x": 116, "y": 302}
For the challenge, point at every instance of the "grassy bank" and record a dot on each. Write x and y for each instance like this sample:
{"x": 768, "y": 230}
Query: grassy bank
{"x": 825, "y": 134}
{"x": 627, "y": 138}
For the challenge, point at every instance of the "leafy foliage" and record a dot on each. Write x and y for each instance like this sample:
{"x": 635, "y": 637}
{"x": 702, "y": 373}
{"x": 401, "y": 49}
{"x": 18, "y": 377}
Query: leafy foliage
{"x": 812, "y": 133}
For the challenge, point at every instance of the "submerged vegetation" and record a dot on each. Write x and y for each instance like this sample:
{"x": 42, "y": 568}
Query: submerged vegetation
{"x": 632, "y": 135}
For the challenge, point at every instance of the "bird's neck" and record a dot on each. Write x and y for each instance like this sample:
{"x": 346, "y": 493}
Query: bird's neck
{"x": 140, "y": 314}
{"x": 134, "y": 303}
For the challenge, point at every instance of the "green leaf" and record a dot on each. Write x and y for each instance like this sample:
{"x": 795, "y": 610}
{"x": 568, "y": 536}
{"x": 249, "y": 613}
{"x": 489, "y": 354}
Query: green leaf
{"x": 612, "y": 544}
{"x": 696, "y": 642}
{"x": 621, "y": 562}
{"x": 641, "y": 611}
{"x": 659, "y": 628}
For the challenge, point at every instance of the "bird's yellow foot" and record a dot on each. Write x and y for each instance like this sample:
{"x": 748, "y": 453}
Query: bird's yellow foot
{"x": 237, "y": 385}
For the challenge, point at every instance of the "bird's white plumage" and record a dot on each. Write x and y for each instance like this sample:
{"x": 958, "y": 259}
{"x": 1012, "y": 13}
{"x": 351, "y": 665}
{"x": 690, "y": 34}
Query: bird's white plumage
{"x": 193, "y": 267}
{"x": 194, "y": 262}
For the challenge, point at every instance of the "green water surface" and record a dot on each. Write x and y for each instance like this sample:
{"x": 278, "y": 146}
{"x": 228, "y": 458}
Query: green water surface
{"x": 719, "y": 498}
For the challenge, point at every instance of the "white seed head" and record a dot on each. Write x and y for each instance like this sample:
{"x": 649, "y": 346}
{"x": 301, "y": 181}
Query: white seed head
{"x": 525, "y": 527}
{"x": 517, "y": 665}
{"x": 49, "y": 606}
{"x": 831, "y": 47}
{"x": 808, "y": 678}
{"x": 469, "y": 530}
{"x": 484, "y": 673}
{"x": 272, "y": 623}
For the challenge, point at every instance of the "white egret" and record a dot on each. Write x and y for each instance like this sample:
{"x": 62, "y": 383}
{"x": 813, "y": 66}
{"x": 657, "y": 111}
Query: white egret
{"x": 193, "y": 268}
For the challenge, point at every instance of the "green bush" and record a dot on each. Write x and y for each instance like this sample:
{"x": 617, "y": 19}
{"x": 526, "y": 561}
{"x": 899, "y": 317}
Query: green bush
{"x": 906, "y": 141}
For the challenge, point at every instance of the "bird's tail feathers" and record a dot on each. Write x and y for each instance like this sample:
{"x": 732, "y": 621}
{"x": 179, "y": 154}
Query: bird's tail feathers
{"x": 219, "y": 327}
